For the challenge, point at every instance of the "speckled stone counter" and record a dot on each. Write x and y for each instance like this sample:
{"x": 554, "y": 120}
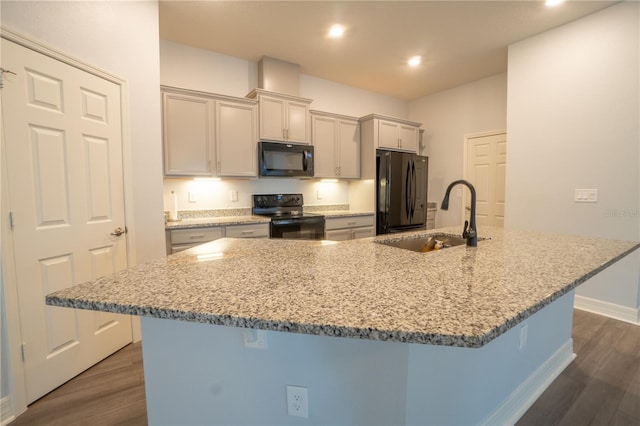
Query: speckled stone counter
{"x": 215, "y": 221}
{"x": 344, "y": 213}
{"x": 459, "y": 296}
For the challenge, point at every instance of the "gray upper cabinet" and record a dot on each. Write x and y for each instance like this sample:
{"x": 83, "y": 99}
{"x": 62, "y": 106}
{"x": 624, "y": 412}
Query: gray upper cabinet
{"x": 208, "y": 135}
{"x": 336, "y": 140}
{"x": 391, "y": 133}
{"x": 236, "y": 138}
{"x": 283, "y": 118}
{"x": 187, "y": 135}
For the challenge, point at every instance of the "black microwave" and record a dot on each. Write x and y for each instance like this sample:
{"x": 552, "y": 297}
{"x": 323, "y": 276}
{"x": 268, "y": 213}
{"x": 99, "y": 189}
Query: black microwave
{"x": 285, "y": 159}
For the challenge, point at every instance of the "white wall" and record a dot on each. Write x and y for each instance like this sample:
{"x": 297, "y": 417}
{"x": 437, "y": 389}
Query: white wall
{"x": 121, "y": 38}
{"x": 447, "y": 117}
{"x": 573, "y": 122}
{"x": 198, "y": 69}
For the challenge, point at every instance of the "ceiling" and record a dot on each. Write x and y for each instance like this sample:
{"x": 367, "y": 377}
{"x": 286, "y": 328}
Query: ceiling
{"x": 459, "y": 41}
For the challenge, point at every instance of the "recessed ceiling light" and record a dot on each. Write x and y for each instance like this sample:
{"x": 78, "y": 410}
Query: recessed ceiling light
{"x": 552, "y": 3}
{"x": 336, "y": 31}
{"x": 414, "y": 61}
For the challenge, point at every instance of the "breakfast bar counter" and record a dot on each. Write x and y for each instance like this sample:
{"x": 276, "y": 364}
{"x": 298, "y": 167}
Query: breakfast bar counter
{"x": 378, "y": 334}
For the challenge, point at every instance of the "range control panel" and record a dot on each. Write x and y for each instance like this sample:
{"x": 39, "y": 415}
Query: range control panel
{"x": 277, "y": 200}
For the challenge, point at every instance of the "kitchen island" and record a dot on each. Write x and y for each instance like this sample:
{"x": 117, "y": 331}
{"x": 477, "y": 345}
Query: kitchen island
{"x": 377, "y": 334}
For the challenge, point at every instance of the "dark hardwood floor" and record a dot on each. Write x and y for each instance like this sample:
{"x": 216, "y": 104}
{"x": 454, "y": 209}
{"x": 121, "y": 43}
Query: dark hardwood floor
{"x": 109, "y": 393}
{"x": 601, "y": 387}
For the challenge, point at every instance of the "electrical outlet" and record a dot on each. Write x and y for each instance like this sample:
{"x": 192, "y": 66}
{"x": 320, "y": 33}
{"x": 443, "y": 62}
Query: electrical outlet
{"x": 233, "y": 195}
{"x": 524, "y": 334}
{"x": 297, "y": 401}
{"x": 193, "y": 197}
{"x": 318, "y": 195}
{"x": 256, "y": 339}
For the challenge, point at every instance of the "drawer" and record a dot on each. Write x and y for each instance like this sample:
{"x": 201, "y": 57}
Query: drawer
{"x": 257, "y": 230}
{"x": 348, "y": 222}
{"x": 338, "y": 235}
{"x": 181, "y": 247}
{"x": 195, "y": 235}
{"x": 365, "y": 232}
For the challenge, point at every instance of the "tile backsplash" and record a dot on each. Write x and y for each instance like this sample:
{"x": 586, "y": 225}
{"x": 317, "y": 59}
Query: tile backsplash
{"x": 222, "y": 195}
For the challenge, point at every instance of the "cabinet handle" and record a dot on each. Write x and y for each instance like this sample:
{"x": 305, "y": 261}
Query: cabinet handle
{"x": 247, "y": 232}
{"x": 196, "y": 237}
{"x": 352, "y": 223}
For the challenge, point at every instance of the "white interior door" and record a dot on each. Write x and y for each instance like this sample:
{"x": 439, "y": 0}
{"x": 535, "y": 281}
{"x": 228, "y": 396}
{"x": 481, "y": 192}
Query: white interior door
{"x": 486, "y": 166}
{"x": 63, "y": 140}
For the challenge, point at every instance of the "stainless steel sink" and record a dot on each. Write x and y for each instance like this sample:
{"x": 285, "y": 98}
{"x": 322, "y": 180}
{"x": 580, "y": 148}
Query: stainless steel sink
{"x": 427, "y": 243}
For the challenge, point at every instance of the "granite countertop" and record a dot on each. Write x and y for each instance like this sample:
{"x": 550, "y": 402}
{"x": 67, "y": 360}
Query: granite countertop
{"x": 200, "y": 222}
{"x": 459, "y": 296}
{"x": 207, "y": 221}
{"x": 344, "y": 213}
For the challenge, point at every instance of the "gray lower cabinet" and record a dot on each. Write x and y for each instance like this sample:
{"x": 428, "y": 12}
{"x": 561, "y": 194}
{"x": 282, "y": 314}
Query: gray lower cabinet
{"x": 183, "y": 239}
{"x": 349, "y": 228}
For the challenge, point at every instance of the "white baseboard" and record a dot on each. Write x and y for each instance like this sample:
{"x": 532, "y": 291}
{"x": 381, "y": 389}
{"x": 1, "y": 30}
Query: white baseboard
{"x": 607, "y": 309}
{"x": 523, "y": 397}
{"x": 6, "y": 410}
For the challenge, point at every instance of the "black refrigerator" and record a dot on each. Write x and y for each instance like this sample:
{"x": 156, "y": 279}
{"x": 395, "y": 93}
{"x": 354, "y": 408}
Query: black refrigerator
{"x": 401, "y": 193}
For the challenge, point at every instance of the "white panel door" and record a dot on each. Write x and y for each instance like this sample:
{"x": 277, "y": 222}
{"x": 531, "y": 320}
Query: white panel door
{"x": 62, "y": 134}
{"x": 486, "y": 165}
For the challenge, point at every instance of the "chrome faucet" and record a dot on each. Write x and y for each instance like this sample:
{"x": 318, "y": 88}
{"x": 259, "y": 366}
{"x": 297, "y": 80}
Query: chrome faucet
{"x": 469, "y": 233}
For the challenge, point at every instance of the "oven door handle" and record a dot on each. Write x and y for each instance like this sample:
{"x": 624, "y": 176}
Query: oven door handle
{"x": 312, "y": 221}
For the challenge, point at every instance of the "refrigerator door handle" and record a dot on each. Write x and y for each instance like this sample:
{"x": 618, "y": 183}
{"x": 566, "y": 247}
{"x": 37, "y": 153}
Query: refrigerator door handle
{"x": 414, "y": 187}
{"x": 407, "y": 191}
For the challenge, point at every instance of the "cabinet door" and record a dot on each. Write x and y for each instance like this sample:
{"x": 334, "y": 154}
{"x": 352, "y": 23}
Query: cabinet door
{"x": 272, "y": 118}
{"x": 338, "y": 235}
{"x": 349, "y": 149}
{"x": 408, "y": 138}
{"x": 187, "y": 135}
{"x": 324, "y": 137}
{"x": 298, "y": 123}
{"x": 387, "y": 134}
{"x": 236, "y": 139}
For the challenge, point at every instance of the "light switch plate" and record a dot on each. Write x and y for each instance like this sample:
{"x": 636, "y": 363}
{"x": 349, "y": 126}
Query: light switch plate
{"x": 233, "y": 195}
{"x": 193, "y": 197}
{"x": 586, "y": 196}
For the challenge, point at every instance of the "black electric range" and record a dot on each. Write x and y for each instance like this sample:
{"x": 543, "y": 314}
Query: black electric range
{"x": 288, "y": 219}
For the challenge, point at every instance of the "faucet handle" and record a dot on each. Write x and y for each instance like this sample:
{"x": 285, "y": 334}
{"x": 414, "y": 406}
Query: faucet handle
{"x": 468, "y": 232}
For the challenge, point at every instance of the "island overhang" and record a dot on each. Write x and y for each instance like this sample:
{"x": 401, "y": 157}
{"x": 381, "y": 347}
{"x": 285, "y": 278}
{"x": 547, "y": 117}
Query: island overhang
{"x": 460, "y": 296}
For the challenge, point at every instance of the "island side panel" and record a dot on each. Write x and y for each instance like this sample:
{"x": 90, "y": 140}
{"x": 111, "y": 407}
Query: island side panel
{"x": 203, "y": 374}
{"x": 494, "y": 384}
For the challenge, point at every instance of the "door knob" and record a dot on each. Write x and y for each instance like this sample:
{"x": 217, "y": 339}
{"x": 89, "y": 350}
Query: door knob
{"x": 119, "y": 231}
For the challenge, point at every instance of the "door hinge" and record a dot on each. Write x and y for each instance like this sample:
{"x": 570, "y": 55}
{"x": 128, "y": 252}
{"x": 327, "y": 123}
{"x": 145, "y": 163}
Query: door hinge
{"x": 12, "y": 222}
{"x": 23, "y": 350}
